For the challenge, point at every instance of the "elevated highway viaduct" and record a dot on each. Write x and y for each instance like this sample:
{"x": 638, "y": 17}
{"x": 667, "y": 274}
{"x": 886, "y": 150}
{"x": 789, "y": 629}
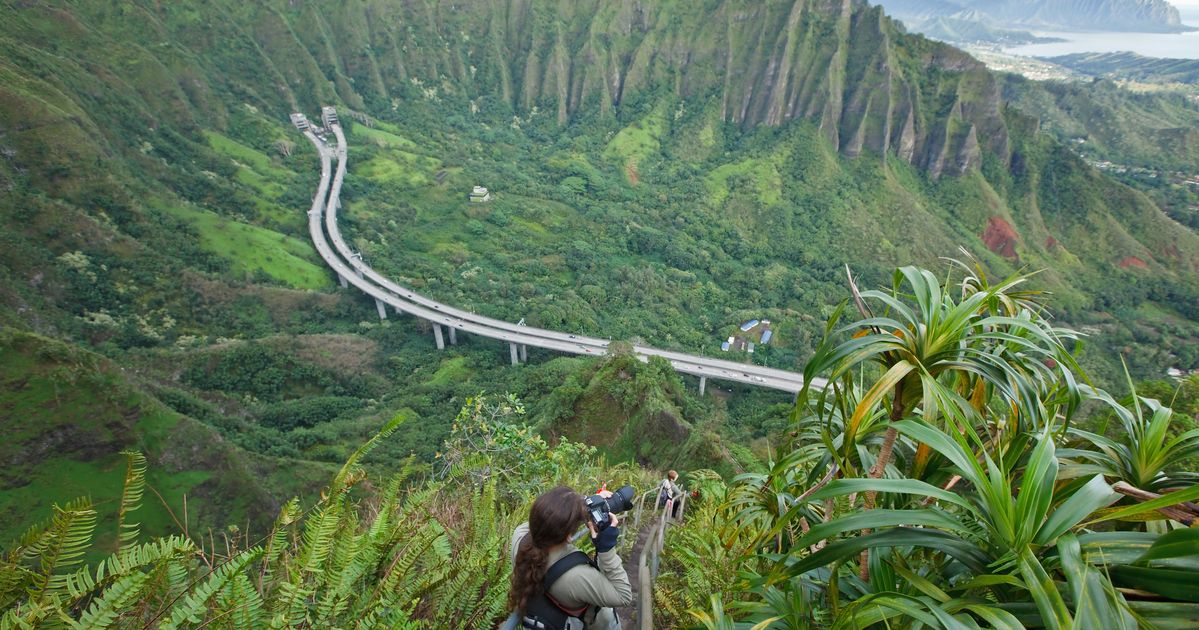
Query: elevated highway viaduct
{"x": 352, "y": 270}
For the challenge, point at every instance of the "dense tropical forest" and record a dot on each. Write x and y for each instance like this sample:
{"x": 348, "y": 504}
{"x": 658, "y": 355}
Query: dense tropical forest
{"x": 995, "y": 303}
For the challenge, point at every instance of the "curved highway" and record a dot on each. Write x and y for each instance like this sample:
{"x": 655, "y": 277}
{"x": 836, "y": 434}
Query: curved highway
{"x": 349, "y": 266}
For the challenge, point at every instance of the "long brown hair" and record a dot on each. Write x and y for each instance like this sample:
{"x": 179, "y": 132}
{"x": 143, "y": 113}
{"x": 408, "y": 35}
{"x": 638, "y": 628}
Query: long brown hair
{"x": 555, "y": 515}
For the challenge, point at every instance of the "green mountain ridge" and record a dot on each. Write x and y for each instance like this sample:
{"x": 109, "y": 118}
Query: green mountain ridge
{"x": 634, "y": 411}
{"x": 662, "y": 171}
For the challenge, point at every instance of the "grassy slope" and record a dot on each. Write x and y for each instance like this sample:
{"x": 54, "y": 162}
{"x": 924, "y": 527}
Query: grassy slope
{"x": 251, "y": 248}
{"x": 72, "y": 412}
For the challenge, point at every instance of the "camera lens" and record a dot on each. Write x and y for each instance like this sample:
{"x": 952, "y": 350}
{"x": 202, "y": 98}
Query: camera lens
{"x": 621, "y": 500}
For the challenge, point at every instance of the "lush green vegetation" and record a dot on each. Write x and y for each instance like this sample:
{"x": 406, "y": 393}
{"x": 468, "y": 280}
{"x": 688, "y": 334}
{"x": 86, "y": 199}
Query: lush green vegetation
{"x": 418, "y": 551}
{"x": 153, "y": 198}
{"x": 938, "y": 481}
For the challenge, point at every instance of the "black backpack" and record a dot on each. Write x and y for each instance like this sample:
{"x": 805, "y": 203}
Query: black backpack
{"x": 664, "y": 494}
{"x": 542, "y": 612}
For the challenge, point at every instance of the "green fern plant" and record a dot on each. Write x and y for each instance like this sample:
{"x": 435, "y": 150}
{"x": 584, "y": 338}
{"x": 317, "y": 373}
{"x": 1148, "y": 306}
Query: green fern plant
{"x": 418, "y": 555}
{"x": 131, "y": 497}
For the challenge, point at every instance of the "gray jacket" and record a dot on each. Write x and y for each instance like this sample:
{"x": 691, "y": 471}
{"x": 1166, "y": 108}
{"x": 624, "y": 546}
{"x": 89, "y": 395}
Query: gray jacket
{"x": 608, "y": 586}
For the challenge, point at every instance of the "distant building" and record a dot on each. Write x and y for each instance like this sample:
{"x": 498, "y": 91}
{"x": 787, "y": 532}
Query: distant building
{"x": 1174, "y": 373}
{"x": 766, "y": 336}
{"x": 725, "y": 346}
{"x": 750, "y": 348}
{"x": 748, "y": 325}
{"x": 480, "y": 195}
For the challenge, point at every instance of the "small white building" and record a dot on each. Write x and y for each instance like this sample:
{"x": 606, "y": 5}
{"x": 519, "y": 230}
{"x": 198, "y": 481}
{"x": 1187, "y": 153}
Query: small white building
{"x": 480, "y": 194}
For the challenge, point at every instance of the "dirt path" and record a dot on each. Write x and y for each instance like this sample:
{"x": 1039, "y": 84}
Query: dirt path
{"x": 628, "y": 614}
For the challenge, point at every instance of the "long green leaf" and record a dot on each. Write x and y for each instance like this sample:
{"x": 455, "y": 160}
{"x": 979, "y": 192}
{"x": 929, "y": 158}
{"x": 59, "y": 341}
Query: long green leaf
{"x": 843, "y": 487}
{"x": 874, "y": 396}
{"x": 1166, "y": 615}
{"x": 1092, "y": 496}
{"x": 1167, "y": 500}
{"x": 877, "y": 519}
{"x": 1036, "y": 489}
{"x": 953, "y": 546}
{"x": 943, "y": 444}
{"x": 1174, "y": 544}
{"x": 1172, "y": 583}
{"x": 1054, "y": 613}
{"x": 1096, "y": 604}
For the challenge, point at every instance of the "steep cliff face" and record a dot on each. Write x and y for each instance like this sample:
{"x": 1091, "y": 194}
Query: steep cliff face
{"x": 836, "y": 62}
{"x": 82, "y": 82}
{"x": 839, "y": 63}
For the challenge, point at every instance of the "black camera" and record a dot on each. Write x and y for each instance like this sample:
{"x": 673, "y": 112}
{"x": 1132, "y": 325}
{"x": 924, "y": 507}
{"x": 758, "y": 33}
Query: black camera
{"x": 601, "y": 509}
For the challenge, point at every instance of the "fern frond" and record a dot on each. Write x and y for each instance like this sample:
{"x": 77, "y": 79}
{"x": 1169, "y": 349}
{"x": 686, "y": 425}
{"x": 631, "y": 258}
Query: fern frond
{"x": 111, "y": 604}
{"x": 351, "y": 472}
{"x": 240, "y": 604}
{"x": 194, "y": 605}
{"x": 86, "y": 580}
{"x": 14, "y": 579}
{"x": 31, "y": 615}
{"x": 277, "y": 542}
{"x": 317, "y": 541}
{"x": 61, "y": 546}
{"x": 131, "y": 497}
{"x": 350, "y": 559}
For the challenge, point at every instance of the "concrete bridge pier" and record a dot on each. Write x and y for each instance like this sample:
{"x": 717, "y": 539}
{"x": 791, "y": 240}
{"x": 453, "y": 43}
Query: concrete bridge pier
{"x": 437, "y": 337}
{"x": 342, "y": 280}
{"x": 382, "y": 308}
{"x": 514, "y": 353}
{"x": 453, "y": 336}
{"x": 524, "y": 353}
{"x": 397, "y": 310}
{"x": 703, "y": 385}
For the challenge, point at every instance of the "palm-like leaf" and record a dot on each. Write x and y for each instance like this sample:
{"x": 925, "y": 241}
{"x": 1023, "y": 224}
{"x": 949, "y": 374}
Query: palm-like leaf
{"x": 1145, "y": 454}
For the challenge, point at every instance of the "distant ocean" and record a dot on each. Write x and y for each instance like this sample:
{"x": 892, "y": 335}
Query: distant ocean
{"x": 1170, "y": 45}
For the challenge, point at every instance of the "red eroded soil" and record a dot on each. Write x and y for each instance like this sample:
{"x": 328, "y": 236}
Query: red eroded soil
{"x": 1133, "y": 261}
{"x": 1000, "y": 237}
{"x": 630, "y": 171}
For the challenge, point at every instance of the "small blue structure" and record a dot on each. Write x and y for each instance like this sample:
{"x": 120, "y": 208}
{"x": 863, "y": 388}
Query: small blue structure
{"x": 724, "y": 346}
{"x": 766, "y": 337}
{"x": 750, "y": 324}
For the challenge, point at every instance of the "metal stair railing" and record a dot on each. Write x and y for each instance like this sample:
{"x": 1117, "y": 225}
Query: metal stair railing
{"x": 650, "y": 561}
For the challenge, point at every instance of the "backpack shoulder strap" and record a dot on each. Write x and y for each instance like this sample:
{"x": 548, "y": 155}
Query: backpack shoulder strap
{"x": 564, "y": 564}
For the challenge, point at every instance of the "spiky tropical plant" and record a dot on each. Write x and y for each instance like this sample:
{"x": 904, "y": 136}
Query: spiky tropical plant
{"x": 934, "y": 351}
{"x": 1143, "y": 452}
{"x": 974, "y": 523}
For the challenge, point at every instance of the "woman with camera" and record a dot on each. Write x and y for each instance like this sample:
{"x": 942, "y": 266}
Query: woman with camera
{"x": 554, "y": 585}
